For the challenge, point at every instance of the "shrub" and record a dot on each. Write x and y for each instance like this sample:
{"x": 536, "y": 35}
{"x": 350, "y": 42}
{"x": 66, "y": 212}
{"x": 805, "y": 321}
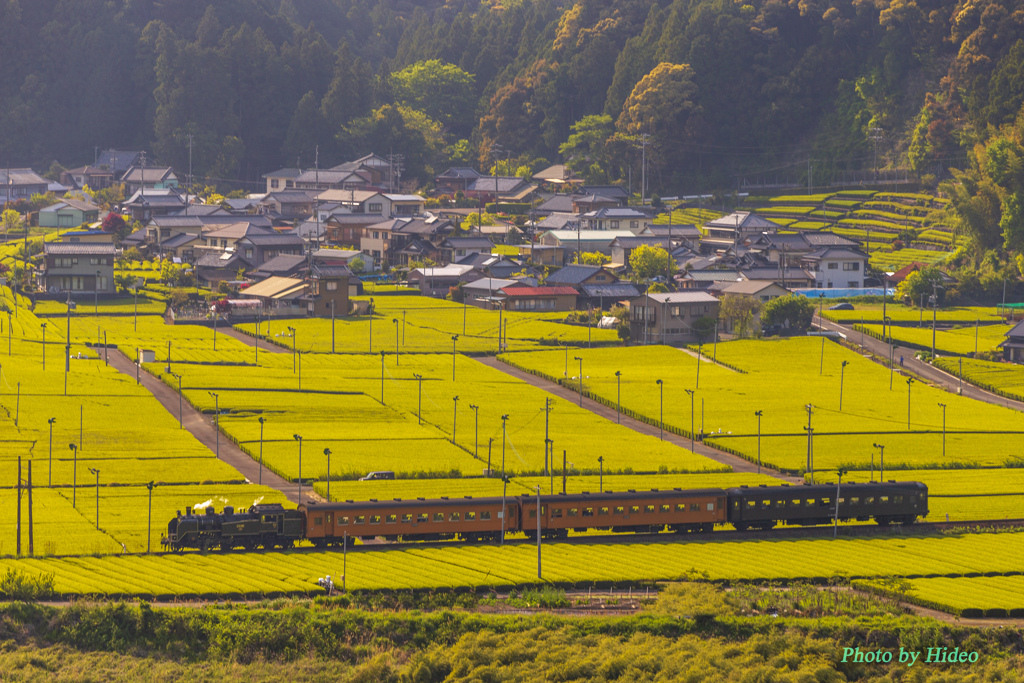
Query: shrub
{"x": 16, "y": 585}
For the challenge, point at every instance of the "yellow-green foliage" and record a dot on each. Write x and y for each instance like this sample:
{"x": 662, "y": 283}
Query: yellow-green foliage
{"x": 959, "y": 340}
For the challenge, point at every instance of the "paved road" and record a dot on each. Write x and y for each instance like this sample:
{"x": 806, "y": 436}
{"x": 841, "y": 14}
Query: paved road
{"x": 202, "y": 427}
{"x": 736, "y": 463}
{"x": 912, "y": 365}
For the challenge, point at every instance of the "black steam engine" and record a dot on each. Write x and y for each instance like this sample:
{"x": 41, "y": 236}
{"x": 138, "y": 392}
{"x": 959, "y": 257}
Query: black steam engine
{"x": 261, "y": 526}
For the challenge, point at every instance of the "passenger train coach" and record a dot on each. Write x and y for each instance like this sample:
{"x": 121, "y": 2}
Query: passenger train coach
{"x": 483, "y": 519}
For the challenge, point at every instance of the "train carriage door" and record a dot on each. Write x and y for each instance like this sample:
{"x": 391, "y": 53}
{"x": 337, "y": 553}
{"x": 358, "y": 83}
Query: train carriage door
{"x": 329, "y": 529}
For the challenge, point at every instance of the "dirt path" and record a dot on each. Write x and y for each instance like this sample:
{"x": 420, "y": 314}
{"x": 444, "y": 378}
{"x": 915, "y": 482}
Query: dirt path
{"x": 927, "y": 371}
{"x": 249, "y": 340}
{"x": 736, "y": 463}
{"x": 202, "y": 427}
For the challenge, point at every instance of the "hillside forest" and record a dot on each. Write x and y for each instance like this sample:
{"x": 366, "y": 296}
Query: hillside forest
{"x": 710, "y": 91}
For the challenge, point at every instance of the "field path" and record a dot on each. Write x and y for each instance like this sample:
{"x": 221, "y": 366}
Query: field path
{"x": 736, "y": 463}
{"x": 249, "y": 340}
{"x": 203, "y": 429}
{"x": 932, "y": 374}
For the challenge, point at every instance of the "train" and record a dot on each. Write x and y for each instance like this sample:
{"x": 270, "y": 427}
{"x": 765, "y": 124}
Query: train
{"x": 489, "y": 518}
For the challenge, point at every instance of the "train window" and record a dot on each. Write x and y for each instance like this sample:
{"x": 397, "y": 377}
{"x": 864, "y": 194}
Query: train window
{"x": 811, "y": 502}
{"x": 422, "y": 518}
{"x": 470, "y": 516}
{"x": 374, "y": 519}
{"x": 711, "y": 507}
{"x": 438, "y": 516}
{"x": 620, "y": 510}
{"x": 649, "y": 509}
{"x": 898, "y": 500}
{"x": 635, "y": 509}
{"x": 666, "y": 508}
{"x": 360, "y": 519}
{"x": 794, "y": 503}
{"x": 680, "y": 507}
{"x": 573, "y": 512}
{"x": 485, "y": 515}
{"x": 751, "y": 504}
{"x": 870, "y": 500}
{"x": 779, "y": 504}
{"x": 533, "y": 514}
{"x": 855, "y": 501}
{"x": 407, "y": 519}
{"x": 330, "y": 519}
{"x": 766, "y": 504}
{"x": 883, "y": 500}
{"x": 825, "y": 502}
{"x": 391, "y": 519}
{"x": 588, "y": 512}
{"x": 694, "y": 507}
{"x": 454, "y": 517}
{"x": 342, "y": 521}
{"x": 556, "y": 513}
{"x": 318, "y": 521}
{"x": 602, "y": 511}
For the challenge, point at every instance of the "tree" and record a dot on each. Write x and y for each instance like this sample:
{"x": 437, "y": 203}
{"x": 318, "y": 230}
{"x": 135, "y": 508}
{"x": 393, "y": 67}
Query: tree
{"x": 921, "y": 283}
{"x": 591, "y": 258}
{"x": 442, "y": 91}
{"x": 661, "y": 104}
{"x": 11, "y": 221}
{"x": 793, "y": 312}
{"x": 116, "y": 224}
{"x": 585, "y": 151}
{"x": 646, "y": 262}
{"x": 740, "y": 311}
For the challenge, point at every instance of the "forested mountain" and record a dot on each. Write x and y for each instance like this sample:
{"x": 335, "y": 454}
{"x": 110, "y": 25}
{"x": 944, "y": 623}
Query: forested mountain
{"x": 721, "y": 87}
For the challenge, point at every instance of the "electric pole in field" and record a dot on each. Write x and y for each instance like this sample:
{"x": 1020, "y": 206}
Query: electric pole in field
{"x": 875, "y": 134}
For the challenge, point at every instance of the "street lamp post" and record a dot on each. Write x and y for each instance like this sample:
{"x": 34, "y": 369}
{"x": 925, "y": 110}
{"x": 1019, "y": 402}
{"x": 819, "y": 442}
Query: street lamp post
{"x": 369, "y": 312}
{"x": 262, "y": 420}
{"x": 835, "y": 528}
{"x": 178, "y": 377}
{"x": 881, "y": 450}
{"x": 910, "y": 380}
{"x": 476, "y": 429}
{"x": 455, "y": 338}
{"x": 327, "y": 452}
{"x": 96, "y": 310}
{"x": 382, "y": 378}
{"x": 943, "y": 406}
{"x": 618, "y": 397}
{"x": 661, "y": 409}
{"x": 504, "y": 479}
{"x": 889, "y": 320}
{"x": 216, "y": 410}
{"x": 842, "y": 375}
{"x": 215, "y": 316}
{"x": 691, "y": 392}
{"x": 455, "y": 415}
{"x": 97, "y": 473}
{"x": 149, "y": 517}
{"x": 398, "y": 355}
{"x": 333, "y": 306}
{"x": 74, "y": 475}
{"x": 581, "y": 378}
{"x": 299, "y": 439}
{"x": 291, "y": 331}
{"x": 419, "y": 398}
{"x": 759, "y": 414}
{"x": 49, "y": 476}
{"x": 600, "y": 474}
{"x": 43, "y": 325}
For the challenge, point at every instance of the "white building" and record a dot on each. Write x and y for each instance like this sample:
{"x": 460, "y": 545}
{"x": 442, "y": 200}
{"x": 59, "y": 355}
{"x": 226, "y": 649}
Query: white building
{"x": 837, "y": 267}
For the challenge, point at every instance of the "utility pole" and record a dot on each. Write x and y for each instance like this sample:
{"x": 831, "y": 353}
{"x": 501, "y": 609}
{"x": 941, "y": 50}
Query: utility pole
{"x": 810, "y": 433}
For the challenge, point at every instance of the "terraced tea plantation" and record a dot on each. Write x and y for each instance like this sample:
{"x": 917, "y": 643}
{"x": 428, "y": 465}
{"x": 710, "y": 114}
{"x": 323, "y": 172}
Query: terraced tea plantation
{"x": 959, "y": 341}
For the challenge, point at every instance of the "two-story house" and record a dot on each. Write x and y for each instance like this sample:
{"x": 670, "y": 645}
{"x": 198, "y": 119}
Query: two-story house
{"x": 145, "y": 205}
{"x": 670, "y": 317}
{"x": 616, "y": 219}
{"x": 836, "y": 267}
{"x": 733, "y": 230}
{"x": 68, "y": 213}
{"x": 455, "y": 179}
{"x": 575, "y": 275}
{"x": 83, "y": 267}
{"x": 456, "y": 248}
{"x": 258, "y": 248}
{"x": 333, "y": 180}
{"x": 370, "y": 201}
{"x": 20, "y": 183}
{"x": 290, "y": 204}
{"x": 623, "y": 247}
{"x": 95, "y": 177}
{"x": 150, "y": 178}
{"x": 281, "y": 179}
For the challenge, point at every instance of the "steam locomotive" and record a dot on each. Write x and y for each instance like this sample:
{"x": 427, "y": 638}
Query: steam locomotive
{"x": 484, "y": 519}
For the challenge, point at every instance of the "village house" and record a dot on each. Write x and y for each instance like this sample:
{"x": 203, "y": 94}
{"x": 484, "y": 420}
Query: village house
{"x": 760, "y": 291}
{"x": 670, "y": 317}
{"x": 438, "y": 281}
{"x": 150, "y": 178}
{"x": 79, "y": 268}
{"x": 523, "y": 298}
{"x": 734, "y": 229}
{"x": 68, "y": 213}
{"x": 836, "y": 267}
{"x": 21, "y": 183}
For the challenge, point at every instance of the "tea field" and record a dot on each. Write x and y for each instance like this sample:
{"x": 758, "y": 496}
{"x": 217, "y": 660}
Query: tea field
{"x": 994, "y": 595}
{"x": 236, "y": 574}
{"x": 426, "y": 325}
{"x": 1005, "y": 379}
{"x": 726, "y": 400}
{"x": 956, "y": 341}
{"x": 912, "y": 315}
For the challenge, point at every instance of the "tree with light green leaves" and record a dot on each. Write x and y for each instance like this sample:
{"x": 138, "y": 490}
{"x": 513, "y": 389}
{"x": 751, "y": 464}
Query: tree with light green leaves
{"x": 442, "y": 91}
{"x": 647, "y": 262}
{"x": 585, "y": 152}
{"x": 11, "y": 220}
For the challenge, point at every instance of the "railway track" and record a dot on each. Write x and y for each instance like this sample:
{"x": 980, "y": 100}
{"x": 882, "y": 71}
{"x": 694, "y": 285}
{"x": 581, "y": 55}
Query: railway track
{"x": 780, "y": 533}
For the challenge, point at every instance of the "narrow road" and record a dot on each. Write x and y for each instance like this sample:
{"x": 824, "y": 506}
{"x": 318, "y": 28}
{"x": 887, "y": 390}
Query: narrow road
{"x": 735, "y": 462}
{"x": 202, "y": 427}
{"x": 250, "y": 340}
{"x": 911, "y": 364}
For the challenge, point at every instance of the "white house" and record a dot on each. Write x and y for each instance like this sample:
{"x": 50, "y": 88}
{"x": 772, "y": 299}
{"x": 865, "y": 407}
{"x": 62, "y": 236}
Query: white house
{"x": 836, "y": 267}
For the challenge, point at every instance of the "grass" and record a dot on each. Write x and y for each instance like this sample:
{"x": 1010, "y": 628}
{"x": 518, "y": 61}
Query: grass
{"x": 1006, "y": 379}
{"x": 893, "y": 261}
{"x": 726, "y": 401}
{"x": 982, "y": 592}
{"x": 958, "y": 341}
{"x": 515, "y": 563}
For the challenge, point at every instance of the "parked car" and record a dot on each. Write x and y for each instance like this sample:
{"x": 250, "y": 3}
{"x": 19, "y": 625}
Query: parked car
{"x": 841, "y": 307}
{"x": 374, "y": 476}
